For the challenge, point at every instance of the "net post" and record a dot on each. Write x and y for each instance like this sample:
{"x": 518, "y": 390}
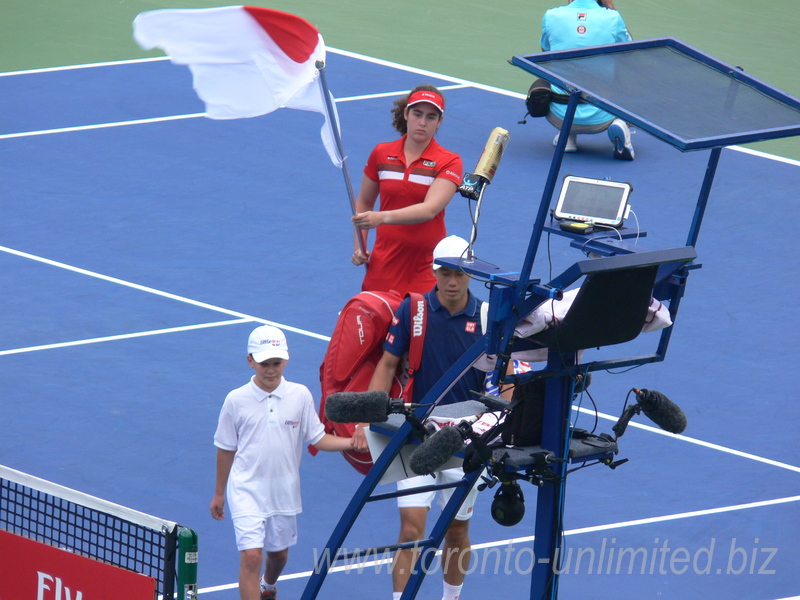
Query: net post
{"x": 187, "y": 564}
{"x": 170, "y": 551}
{"x": 54, "y": 515}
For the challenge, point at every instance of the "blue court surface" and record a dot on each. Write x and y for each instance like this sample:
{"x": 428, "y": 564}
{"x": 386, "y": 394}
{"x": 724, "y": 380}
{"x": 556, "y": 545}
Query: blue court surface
{"x": 141, "y": 242}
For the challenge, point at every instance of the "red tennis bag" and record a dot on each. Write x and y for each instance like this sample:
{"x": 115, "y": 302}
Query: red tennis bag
{"x": 355, "y": 348}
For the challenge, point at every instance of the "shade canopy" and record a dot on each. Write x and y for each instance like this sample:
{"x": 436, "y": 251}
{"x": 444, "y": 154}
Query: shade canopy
{"x": 673, "y": 91}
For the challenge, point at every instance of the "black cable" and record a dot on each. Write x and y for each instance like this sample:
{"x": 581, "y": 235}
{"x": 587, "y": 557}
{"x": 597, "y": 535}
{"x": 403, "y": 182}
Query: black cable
{"x": 610, "y": 372}
{"x": 584, "y": 465}
{"x": 596, "y": 410}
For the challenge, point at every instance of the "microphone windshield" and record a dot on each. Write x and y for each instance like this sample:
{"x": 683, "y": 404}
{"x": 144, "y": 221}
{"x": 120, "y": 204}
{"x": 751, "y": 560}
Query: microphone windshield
{"x": 492, "y": 154}
{"x": 436, "y": 450}
{"x": 357, "y": 407}
{"x": 662, "y": 411}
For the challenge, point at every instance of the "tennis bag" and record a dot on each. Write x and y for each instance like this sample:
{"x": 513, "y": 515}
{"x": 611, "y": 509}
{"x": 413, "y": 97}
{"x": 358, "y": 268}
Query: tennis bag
{"x": 355, "y": 348}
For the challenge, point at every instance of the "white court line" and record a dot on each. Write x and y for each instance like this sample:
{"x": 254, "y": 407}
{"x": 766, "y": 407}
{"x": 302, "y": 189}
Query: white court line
{"x": 244, "y": 317}
{"x": 85, "y": 66}
{"x": 691, "y": 440}
{"x": 647, "y": 521}
{"x": 7, "y": 136}
{"x": 783, "y": 159}
{"x": 124, "y": 336}
{"x": 426, "y": 73}
{"x": 22, "y": 134}
{"x": 149, "y": 290}
{"x": 394, "y": 94}
{"x": 527, "y": 539}
{"x": 460, "y": 83}
{"x": 132, "y": 61}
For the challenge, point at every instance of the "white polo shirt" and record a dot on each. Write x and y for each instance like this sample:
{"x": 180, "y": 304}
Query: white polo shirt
{"x": 268, "y": 432}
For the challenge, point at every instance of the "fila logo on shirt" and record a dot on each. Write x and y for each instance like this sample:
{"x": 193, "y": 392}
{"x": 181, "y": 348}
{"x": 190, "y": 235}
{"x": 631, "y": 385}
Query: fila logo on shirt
{"x": 470, "y": 327}
{"x": 581, "y": 16}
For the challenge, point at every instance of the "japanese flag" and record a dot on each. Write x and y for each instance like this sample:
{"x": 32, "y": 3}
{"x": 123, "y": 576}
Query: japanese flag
{"x": 245, "y": 61}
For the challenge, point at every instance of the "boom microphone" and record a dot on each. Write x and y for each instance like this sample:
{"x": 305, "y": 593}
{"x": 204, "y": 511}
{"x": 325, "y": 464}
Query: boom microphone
{"x": 492, "y": 154}
{"x": 661, "y": 410}
{"x": 436, "y": 450}
{"x": 472, "y": 184}
{"x": 363, "y": 407}
{"x": 656, "y": 407}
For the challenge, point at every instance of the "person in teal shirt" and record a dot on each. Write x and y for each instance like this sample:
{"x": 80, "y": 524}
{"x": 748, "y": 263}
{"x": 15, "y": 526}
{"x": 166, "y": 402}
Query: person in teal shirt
{"x": 578, "y": 24}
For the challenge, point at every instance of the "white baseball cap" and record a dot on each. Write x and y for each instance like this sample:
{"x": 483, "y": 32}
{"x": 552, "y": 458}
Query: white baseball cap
{"x": 267, "y": 342}
{"x": 450, "y": 247}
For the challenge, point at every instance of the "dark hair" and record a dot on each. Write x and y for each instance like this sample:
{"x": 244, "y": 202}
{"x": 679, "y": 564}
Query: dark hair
{"x": 399, "y": 108}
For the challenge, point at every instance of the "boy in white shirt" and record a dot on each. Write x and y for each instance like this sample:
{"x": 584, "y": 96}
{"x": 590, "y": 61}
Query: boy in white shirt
{"x": 262, "y": 429}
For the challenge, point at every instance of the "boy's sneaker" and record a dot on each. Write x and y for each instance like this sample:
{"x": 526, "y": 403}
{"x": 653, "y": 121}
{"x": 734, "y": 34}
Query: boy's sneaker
{"x": 269, "y": 594}
{"x": 620, "y": 136}
{"x": 265, "y": 593}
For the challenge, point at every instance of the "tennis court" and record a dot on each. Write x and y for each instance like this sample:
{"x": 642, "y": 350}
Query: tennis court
{"x": 140, "y": 243}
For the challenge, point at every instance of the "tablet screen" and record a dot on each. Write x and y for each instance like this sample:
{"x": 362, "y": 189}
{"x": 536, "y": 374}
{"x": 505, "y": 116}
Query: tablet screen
{"x": 596, "y": 201}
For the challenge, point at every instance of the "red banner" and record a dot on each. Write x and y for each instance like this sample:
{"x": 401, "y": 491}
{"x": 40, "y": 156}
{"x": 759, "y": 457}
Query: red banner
{"x": 36, "y": 571}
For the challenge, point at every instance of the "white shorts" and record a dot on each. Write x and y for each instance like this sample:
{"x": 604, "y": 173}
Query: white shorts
{"x": 273, "y": 534}
{"x": 425, "y": 499}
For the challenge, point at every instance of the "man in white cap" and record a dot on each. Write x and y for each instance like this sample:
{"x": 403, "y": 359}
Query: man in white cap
{"x": 453, "y": 326}
{"x": 260, "y": 435}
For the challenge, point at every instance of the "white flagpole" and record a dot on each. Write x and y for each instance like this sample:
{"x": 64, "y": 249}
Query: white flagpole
{"x": 337, "y": 138}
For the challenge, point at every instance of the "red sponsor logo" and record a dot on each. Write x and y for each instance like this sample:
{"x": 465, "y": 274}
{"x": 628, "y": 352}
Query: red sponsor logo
{"x": 31, "y": 569}
{"x": 390, "y": 338}
{"x": 470, "y": 327}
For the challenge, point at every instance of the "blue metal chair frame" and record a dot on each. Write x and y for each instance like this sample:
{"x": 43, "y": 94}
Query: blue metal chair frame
{"x": 516, "y": 293}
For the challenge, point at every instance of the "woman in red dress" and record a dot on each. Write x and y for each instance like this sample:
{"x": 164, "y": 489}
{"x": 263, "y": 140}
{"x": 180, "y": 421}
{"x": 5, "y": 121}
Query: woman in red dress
{"x": 415, "y": 179}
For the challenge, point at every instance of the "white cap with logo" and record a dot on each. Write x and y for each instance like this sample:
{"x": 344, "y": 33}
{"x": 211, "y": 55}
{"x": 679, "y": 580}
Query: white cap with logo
{"x": 450, "y": 247}
{"x": 267, "y": 342}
